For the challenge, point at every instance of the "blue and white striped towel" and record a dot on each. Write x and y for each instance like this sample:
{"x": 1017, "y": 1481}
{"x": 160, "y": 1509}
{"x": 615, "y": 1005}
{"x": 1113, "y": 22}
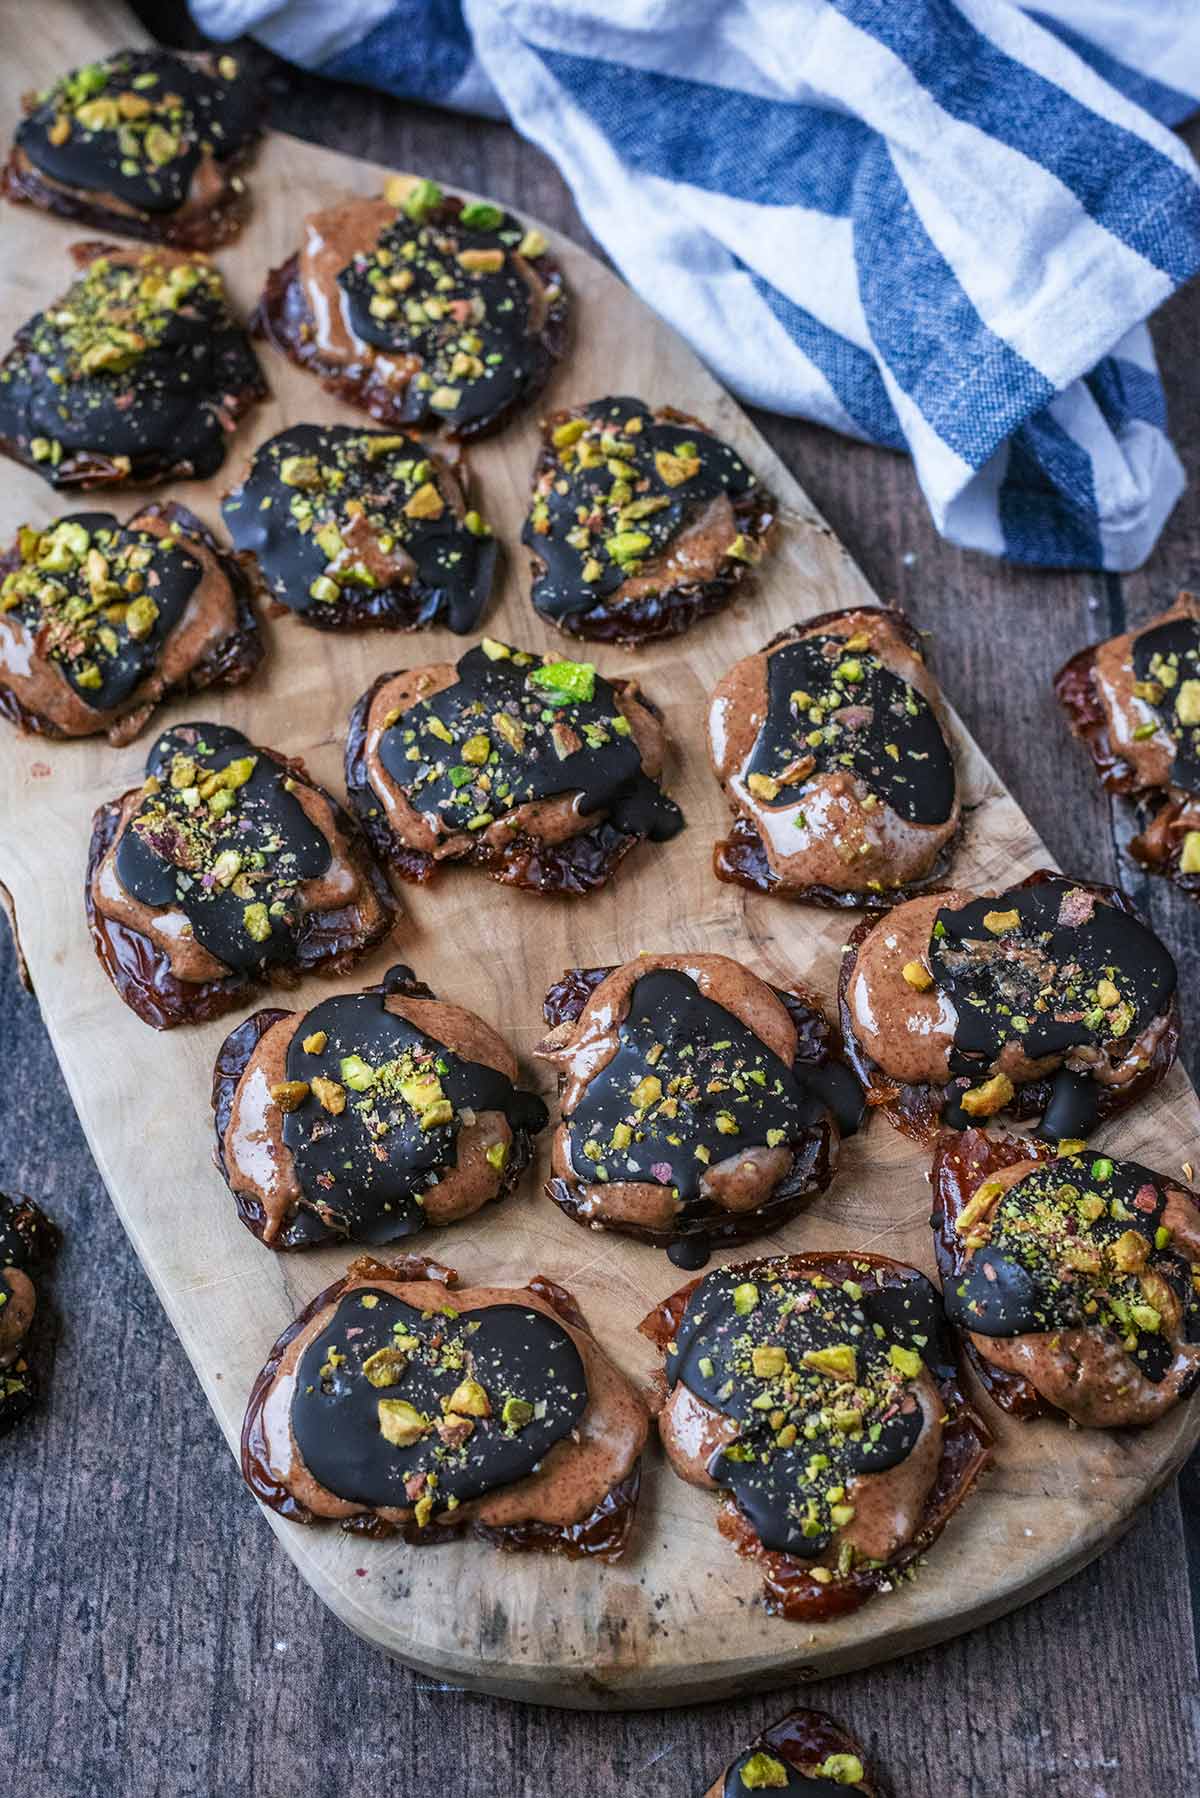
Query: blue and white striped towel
{"x": 938, "y": 225}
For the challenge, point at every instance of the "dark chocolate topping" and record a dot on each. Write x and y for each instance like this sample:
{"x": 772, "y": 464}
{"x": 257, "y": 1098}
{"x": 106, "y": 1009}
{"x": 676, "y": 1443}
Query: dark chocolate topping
{"x": 406, "y": 1097}
{"x": 137, "y": 359}
{"x": 690, "y": 1086}
{"x": 28, "y": 1241}
{"x": 136, "y": 125}
{"x": 27, "y": 1237}
{"x": 1049, "y": 967}
{"x": 329, "y": 507}
{"x": 511, "y": 730}
{"x": 1166, "y": 661}
{"x": 100, "y": 600}
{"x": 619, "y": 497}
{"x": 231, "y": 859}
{"x": 831, "y": 708}
{"x": 519, "y": 1361}
{"x": 811, "y": 1787}
{"x": 832, "y": 1396}
{"x": 1070, "y": 1246}
{"x": 448, "y": 286}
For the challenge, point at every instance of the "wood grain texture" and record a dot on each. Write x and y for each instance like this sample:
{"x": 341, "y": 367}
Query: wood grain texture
{"x": 174, "y": 1539}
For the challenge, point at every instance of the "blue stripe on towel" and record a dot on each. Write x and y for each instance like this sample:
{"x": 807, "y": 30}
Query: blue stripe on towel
{"x": 1125, "y": 184}
{"x": 421, "y": 49}
{"x": 700, "y": 133}
{"x": 851, "y": 372}
{"x": 1047, "y": 501}
{"x": 970, "y": 386}
{"x": 1123, "y": 390}
{"x": 1164, "y": 103}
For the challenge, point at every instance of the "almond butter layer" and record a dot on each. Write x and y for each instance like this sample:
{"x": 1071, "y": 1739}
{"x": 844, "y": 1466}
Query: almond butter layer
{"x": 572, "y": 1482}
{"x": 550, "y": 820}
{"x": 168, "y": 929}
{"x": 214, "y": 640}
{"x": 822, "y": 824}
{"x": 954, "y": 1003}
{"x": 343, "y": 1123}
{"x": 1075, "y": 1276}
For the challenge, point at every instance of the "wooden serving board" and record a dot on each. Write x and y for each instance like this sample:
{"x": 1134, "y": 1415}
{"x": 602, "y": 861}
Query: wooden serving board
{"x": 679, "y": 1619}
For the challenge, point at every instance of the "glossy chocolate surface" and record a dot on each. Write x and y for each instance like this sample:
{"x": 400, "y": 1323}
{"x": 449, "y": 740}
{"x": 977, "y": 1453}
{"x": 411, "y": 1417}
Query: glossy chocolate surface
{"x": 782, "y": 1487}
{"x": 365, "y": 1168}
{"x": 634, "y": 492}
{"x": 1068, "y": 1103}
{"x": 447, "y": 286}
{"x": 136, "y": 125}
{"x": 1033, "y": 974}
{"x": 136, "y": 373}
{"x": 101, "y": 600}
{"x": 234, "y": 875}
{"x": 353, "y": 526}
{"x": 512, "y": 730}
{"x": 444, "y": 343}
{"x": 1058, "y": 1256}
{"x": 615, "y": 1137}
{"x": 372, "y": 1355}
{"x": 830, "y": 708}
{"x": 689, "y": 1070}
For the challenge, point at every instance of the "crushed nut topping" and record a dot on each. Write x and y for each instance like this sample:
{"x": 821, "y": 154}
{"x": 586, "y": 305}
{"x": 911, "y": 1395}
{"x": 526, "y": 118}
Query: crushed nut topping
{"x": 99, "y": 599}
{"x": 1077, "y": 1243}
{"x": 821, "y": 1379}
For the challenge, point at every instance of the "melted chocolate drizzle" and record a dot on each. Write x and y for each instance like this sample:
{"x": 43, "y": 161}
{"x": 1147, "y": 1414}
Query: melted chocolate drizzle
{"x": 28, "y": 1241}
{"x": 163, "y": 405}
{"x": 80, "y": 632}
{"x": 474, "y": 329}
{"x": 1038, "y": 985}
{"x": 1048, "y": 1258}
{"x": 866, "y": 720}
{"x": 513, "y": 1352}
{"x": 127, "y": 157}
{"x": 528, "y": 757}
{"x": 685, "y": 1045}
{"x": 1174, "y": 648}
{"x": 381, "y": 472}
{"x": 783, "y": 1487}
{"x": 560, "y": 590}
{"x": 265, "y": 821}
{"x": 363, "y": 1179}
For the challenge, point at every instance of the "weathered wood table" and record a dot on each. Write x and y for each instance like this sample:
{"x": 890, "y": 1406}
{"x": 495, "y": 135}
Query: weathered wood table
{"x": 153, "y": 1639}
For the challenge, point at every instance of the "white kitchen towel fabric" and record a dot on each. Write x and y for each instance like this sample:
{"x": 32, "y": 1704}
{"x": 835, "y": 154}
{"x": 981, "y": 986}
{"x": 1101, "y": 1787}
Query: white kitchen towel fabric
{"x": 938, "y": 225}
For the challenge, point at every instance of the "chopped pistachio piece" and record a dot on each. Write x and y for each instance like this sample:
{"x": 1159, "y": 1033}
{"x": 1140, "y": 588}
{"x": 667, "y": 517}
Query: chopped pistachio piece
{"x": 400, "y": 1423}
{"x": 762, "y": 1772}
{"x": 356, "y": 1073}
{"x": 745, "y": 1298}
{"x": 290, "y": 1095}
